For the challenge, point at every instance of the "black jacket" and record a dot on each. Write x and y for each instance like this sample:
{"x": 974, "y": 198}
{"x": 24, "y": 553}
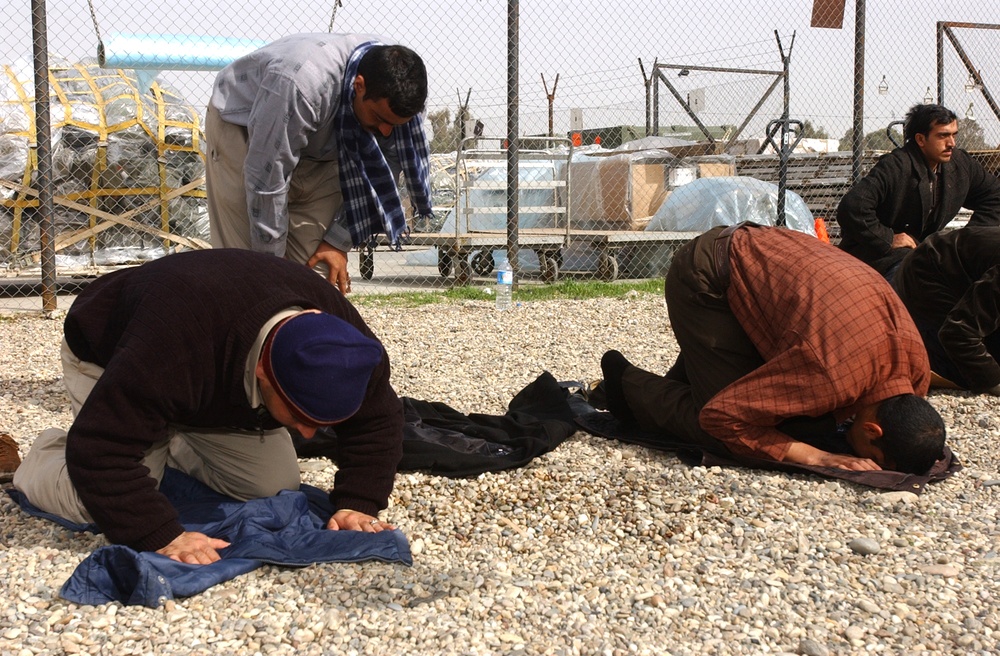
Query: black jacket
{"x": 441, "y": 440}
{"x": 950, "y": 284}
{"x": 895, "y": 197}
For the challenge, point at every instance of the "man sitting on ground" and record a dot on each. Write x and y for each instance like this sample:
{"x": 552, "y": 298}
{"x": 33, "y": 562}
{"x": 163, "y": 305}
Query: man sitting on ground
{"x": 782, "y": 338}
{"x": 915, "y": 191}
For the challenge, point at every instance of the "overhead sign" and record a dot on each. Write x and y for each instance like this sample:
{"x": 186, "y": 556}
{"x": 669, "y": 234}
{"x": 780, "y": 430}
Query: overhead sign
{"x": 828, "y": 13}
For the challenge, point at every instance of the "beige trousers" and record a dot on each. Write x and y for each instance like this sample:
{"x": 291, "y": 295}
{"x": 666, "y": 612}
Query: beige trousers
{"x": 243, "y": 465}
{"x": 314, "y": 196}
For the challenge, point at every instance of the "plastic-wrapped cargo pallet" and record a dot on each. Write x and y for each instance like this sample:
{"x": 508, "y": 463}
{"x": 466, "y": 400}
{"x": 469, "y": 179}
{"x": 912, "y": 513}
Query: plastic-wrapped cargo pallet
{"x": 127, "y": 168}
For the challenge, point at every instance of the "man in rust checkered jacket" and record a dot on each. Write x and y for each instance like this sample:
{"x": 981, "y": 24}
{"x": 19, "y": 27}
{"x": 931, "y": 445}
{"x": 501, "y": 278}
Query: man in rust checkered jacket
{"x": 784, "y": 339}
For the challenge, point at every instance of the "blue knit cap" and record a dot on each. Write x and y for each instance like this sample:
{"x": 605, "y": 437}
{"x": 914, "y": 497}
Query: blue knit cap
{"x": 320, "y": 365}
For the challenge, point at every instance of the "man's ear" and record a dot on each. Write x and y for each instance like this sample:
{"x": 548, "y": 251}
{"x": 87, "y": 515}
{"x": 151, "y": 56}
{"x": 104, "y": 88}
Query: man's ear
{"x": 920, "y": 138}
{"x": 359, "y": 86}
{"x": 872, "y": 430}
{"x": 259, "y": 371}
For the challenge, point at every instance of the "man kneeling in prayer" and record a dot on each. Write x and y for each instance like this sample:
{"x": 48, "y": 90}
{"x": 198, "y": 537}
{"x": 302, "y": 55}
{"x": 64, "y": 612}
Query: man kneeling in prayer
{"x": 950, "y": 283}
{"x": 783, "y": 340}
{"x": 200, "y": 361}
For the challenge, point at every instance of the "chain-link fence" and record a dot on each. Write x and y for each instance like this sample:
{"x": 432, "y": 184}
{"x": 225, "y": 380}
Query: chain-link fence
{"x": 637, "y": 123}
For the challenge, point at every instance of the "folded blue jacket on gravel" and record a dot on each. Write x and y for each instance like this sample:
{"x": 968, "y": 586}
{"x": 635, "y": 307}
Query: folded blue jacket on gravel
{"x": 287, "y": 529}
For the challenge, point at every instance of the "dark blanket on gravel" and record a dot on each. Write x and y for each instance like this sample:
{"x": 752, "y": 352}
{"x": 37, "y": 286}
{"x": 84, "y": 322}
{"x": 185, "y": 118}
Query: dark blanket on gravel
{"x": 604, "y": 424}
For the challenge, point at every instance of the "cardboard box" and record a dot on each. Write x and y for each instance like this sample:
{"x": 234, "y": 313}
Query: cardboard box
{"x": 716, "y": 169}
{"x": 648, "y": 189}
{"x": 615, "y": 193}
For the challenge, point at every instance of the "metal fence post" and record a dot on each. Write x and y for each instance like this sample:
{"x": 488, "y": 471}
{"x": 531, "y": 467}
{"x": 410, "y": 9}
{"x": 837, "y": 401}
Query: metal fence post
{"x": 43, "y": 145}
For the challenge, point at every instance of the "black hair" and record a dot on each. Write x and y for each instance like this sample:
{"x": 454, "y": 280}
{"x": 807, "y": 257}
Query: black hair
{"x": 922, "y": 118}
{"x": 398, "y": 74}
{"x": 912, "y": 433}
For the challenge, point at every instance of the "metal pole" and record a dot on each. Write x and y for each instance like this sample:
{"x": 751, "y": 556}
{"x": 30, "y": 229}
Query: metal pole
{"x": 43, "y": 146}
{"x": 513, "y": 200}
{"x": 552, "y": 99}
{"x": 646, "y": 81}
{"x": 463, "y": 114}
{"x": 858, "y": 138}
{"x": 940, "y": 63}
{"x": 715, "y": 69}
{"x": 784, "y": 154}
{"x": 656, "y": 102}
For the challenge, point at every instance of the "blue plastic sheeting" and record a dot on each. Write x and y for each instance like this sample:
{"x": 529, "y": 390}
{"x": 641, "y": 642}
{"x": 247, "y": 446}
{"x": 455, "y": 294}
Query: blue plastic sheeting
{"x": 287, "y": 529}
{"x": 160, "y": 52}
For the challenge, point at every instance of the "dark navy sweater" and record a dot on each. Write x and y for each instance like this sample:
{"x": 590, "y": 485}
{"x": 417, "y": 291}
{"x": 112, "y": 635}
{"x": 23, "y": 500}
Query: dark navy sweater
{"x": 173, "y": 336}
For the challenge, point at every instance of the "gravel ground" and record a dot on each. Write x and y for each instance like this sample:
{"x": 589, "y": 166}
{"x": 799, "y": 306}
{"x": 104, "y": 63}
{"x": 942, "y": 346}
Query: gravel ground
{"x": 596, "y": 548}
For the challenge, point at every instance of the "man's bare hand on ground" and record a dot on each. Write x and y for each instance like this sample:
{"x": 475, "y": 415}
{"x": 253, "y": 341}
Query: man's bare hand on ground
{"x": 804, "y": 454}
{"x": 193, "y": 548}
{"x": 840, "y": 461}
{"x": 351, "y": 520}
{"x": 336, "y": 263}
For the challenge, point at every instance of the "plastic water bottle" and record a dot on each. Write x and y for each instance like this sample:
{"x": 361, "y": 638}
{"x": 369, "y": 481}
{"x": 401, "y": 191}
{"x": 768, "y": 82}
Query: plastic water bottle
{"x": 505, "y": 284}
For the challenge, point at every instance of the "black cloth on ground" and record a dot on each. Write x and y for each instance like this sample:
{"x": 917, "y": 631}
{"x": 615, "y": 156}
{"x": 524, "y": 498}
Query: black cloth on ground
{"x": 441, "y": 440}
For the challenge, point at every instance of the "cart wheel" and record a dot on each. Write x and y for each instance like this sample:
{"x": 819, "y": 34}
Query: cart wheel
{"x": 550, "y": 266}
{"x": 607, "y": 268}
{"x": 482, "y": 262}
{"x": 463, "y": 273}
{"x": 444, "y": 262}
{"x": 366, "y": 263}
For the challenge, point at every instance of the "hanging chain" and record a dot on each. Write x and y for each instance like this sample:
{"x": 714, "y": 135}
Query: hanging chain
{"x": 333, "y": 17}
{"x": 93, "y": 17}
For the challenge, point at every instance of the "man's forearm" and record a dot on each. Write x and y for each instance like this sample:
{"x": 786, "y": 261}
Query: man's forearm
{"x": 268, "y": 222}
{"x": 740, "y": 438}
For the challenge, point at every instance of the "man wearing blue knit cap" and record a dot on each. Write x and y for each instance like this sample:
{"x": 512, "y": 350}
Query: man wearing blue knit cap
{"x": 202, "y": 361}
{"x": 317, "y": 366}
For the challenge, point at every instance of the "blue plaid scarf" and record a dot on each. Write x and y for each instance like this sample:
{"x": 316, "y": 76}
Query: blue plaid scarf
{"x": 371, "y": 200}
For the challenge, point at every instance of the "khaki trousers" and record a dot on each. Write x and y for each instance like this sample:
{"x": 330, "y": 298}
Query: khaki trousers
{"x": 314, "y": 196}
{"x": 240, "y": 464}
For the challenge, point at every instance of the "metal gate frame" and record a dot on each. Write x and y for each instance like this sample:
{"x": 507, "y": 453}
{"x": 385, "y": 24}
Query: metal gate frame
{"x": 947, "y": 29}
{"x": 657, "y": 75}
